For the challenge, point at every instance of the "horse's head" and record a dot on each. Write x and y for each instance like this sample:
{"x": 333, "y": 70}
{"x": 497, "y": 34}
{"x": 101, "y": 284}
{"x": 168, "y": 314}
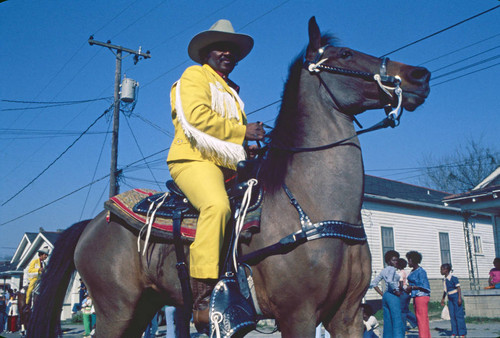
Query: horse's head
{"x": 354, "y": 81}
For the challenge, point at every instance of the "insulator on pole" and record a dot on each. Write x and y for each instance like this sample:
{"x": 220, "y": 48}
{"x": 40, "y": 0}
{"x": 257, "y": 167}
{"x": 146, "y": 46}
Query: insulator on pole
{"x": 128, "y": 89}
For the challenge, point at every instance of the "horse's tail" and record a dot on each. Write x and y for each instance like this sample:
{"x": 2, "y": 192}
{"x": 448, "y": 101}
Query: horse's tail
{"x": 45, "y": 320}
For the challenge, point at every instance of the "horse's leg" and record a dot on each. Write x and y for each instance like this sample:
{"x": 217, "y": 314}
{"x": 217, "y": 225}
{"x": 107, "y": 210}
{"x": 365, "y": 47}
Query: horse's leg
{"x": 106, "y": 258}
{"x": 296, "y": 324}
{"x": 348, "y": 319}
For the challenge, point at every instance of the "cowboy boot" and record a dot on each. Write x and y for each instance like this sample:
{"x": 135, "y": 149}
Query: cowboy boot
{"x": 202, "y": 290}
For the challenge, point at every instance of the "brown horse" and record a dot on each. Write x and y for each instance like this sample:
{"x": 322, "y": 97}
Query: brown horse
{"x": 321, "y": 281}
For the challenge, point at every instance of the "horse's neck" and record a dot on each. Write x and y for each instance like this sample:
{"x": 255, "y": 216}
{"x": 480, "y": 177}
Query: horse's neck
{"x": 329, "y": 182}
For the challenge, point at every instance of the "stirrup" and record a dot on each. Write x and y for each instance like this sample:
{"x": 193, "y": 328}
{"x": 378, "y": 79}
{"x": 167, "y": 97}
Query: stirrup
{"x": 230, "y": 312}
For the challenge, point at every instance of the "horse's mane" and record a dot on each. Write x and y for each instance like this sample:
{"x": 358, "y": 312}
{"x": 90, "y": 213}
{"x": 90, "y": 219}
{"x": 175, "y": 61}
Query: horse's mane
{"x": 288, "y": 127}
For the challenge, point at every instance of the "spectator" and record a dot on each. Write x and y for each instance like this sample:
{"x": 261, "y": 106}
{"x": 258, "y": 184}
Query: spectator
{"x": 393, "y": 324}
{"x": 172, "y": 317}
{"x": 152, "y": 327}
{"x": 6, "y": 298}
{"x": 420, "y": 292}
{"x": 455, "y": 306}
{"x": 87, "y": 315}
{"x": 319, "y": 332}
{"x": 13, "y": 313}
{"x": 406, "y": 314}
{"x": 82, "y": 290}
{"x": 3, "y": 312}
{"x": 494, "y": 279}
{"x": 371, "y": 323}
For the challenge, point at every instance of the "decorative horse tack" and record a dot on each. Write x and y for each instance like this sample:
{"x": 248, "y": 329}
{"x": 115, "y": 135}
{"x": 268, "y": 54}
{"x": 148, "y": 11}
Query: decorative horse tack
{"x": 395, "y": 81}
{"x": 308, "y": 232}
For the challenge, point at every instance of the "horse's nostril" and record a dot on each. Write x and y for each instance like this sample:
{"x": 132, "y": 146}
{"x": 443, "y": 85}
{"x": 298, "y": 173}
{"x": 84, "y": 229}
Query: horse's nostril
{"x": 420, "y": 73}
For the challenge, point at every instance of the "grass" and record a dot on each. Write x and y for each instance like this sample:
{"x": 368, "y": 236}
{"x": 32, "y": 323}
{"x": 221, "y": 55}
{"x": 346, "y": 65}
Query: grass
{"x": 75, "y": 319}
{"x": 435, "y": 309}
{"x": 481, "y": 320}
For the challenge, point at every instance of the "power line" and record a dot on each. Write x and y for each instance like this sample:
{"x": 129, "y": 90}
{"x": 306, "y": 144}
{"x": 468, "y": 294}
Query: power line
{"x": 140, "y": 150}
{"x": 458, "y": 50}
{"x": 57, "y": 102}
{"x": 95, "y": 170}
{"x": 82, "y": 187}
{"x": 386, "y": 54}
{"x": 263, "y": 15}
{"x": 133, "y": 23}
{"x": 441, "y": 31}
{"x": 52, "y": 202}
{"x": 467, "y": 67}
{"x": 57, "y": 158}
{"x": 462, "y": 60}
{"x": 152, "y": 124}
{"x": 39, "y": 107}
{"x": 187, "y": 60}
{"x": 192, "y": 25}
{"x": 458, "y": 77}
{"x": 114, "y": 18}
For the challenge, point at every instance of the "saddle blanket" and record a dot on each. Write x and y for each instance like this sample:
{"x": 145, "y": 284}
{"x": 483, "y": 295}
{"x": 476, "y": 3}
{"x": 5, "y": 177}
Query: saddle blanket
{"x": 122, "y": 206}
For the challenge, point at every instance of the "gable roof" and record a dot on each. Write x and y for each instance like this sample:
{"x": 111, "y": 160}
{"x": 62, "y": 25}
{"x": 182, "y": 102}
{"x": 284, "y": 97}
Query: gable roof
{"x": 483, "y": 198}
{"x": 51, "y": 236}
{"x": 31, "y": 236}
{"x": 24, "y": 244}
{"x": 383, "y": 187}
{"x": 45, "y": 238}
{"x": 493, "y": 179}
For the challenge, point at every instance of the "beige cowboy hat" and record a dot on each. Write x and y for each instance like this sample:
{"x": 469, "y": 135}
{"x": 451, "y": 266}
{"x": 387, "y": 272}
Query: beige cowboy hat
{"x": 44, "y": 250}
{"x": 221, "y": 31}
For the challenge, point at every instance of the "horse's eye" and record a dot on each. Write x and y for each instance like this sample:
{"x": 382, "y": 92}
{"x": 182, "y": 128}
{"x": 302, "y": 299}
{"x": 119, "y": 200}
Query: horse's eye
{"x": 345, "y": 54}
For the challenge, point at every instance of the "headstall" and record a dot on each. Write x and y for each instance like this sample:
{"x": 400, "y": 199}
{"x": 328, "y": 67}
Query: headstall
{"x": 388, "y": 84}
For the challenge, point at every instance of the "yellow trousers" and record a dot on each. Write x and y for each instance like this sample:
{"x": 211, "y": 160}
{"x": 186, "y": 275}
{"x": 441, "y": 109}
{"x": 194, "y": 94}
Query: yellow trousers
{"x": 203, "y": 184}
{"x": 31, "y": 286}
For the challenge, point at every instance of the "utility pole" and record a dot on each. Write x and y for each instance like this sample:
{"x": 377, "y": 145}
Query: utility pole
{"x": 114, "y": 188}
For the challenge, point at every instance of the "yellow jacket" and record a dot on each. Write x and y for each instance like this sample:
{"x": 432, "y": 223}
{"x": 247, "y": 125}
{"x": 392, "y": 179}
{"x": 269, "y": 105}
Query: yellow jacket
{"x": 208, "y": 117}
{"x": 34, "y": 269}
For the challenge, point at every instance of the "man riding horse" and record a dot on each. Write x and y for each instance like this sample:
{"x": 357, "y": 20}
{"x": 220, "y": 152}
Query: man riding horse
{"x": 35, "y": 269}
{"x": 210, "y": 133}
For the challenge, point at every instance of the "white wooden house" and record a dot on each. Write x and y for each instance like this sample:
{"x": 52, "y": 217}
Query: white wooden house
{"x": 26, "y": 251}
{"x": 406, "y": 217}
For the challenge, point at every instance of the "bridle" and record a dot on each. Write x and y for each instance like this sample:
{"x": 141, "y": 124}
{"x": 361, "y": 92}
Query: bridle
{"x": 386, "y": 82}
{"x": 390, "y": 85}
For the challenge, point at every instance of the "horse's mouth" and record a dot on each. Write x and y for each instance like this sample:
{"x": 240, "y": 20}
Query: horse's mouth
{"x": 411, "y": 100}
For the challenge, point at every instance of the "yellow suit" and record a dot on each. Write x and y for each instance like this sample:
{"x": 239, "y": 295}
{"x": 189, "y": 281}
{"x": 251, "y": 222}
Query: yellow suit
{"x": 210, "y": 127}
{"x": 34, "y": 271}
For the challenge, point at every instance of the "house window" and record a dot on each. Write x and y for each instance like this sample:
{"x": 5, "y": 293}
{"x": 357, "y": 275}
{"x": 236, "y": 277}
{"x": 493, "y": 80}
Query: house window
{"x": 478, "y": 246}
{"x": 444, "y": 245}
{"x": 387, "y": 241}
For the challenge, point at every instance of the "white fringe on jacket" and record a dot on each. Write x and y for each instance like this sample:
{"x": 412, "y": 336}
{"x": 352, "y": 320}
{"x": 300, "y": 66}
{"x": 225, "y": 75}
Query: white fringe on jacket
{"x": 224, "y": 153}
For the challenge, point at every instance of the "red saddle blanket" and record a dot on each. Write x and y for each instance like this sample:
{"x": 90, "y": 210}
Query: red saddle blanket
{"x": 121, "y": 205}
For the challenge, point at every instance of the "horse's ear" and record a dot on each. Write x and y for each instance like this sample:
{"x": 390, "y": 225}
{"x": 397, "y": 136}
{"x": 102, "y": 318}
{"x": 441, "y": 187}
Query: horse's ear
{"x": 314, "y": 36}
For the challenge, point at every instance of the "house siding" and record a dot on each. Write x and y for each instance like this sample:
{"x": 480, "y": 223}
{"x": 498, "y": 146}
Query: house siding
{"x": 418, "y": 229}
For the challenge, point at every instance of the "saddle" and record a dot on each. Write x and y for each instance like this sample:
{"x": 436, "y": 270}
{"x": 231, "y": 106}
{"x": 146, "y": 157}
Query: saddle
{"x": 136, "y": 206}
{"x": 176, "y": 200}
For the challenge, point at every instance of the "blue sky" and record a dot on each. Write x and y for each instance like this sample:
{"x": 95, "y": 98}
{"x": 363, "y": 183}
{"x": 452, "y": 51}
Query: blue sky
{"x": 45, "y": 57}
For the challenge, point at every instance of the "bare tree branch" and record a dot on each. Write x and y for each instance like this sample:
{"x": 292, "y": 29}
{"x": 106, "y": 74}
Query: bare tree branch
{"x": 462, "y": 170}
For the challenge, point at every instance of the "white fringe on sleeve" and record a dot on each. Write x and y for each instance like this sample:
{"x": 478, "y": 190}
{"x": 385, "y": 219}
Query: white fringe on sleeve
{"x": 222, "y": 152}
